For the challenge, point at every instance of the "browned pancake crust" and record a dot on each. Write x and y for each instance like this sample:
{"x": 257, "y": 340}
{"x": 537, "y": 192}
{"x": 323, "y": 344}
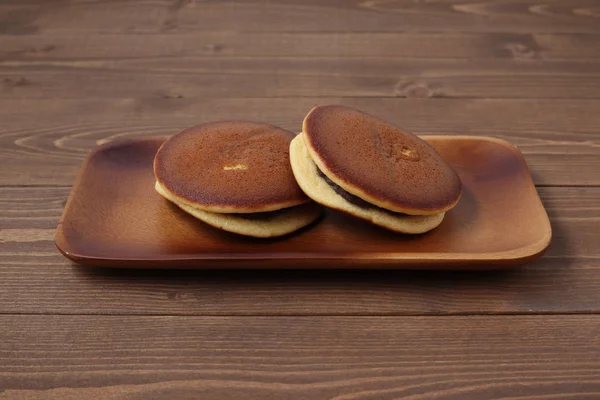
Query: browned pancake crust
{"x": 230, "y": 167}
{"x": 379, "y": 162}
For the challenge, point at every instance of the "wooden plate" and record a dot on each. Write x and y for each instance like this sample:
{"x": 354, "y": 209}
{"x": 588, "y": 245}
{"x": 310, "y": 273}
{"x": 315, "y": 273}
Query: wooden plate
{"x": 114, "y": 218}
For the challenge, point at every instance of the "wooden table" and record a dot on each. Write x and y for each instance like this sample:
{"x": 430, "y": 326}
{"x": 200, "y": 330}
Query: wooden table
{"x": 74, "y": 74}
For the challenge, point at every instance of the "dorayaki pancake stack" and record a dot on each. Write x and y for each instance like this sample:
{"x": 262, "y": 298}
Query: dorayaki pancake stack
{"x": 235, "y": 176}
{"x": 358, "y": 164}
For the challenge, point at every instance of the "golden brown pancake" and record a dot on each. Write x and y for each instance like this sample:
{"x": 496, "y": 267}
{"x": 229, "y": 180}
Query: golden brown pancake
{"x": 235, "y": 176}
{"x": 379, "y": 163}
{"x": 229, "y": 167}
{"x": 321, "y": 191}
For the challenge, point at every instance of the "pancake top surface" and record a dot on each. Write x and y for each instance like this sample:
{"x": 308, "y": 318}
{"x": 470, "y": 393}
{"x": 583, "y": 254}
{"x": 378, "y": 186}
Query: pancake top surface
{"x": 379, "y": 162}
{"x": 230, "y": 167}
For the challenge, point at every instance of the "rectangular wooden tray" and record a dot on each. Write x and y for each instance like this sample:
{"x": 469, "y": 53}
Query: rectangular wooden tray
{"x": 114, "y": 218}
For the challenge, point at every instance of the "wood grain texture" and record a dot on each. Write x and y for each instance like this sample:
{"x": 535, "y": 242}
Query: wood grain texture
{"x": 218, "y": 77}
{"x": 211, "y": 44}
{"x": 152, "y": 16}
{"x": 75, "y": 73}
{"x": 35, "y": 278}
{"x": 100, "y": 357}
{"x": 558, "y": 137}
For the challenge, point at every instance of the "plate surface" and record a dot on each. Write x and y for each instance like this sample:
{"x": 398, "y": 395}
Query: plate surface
{"x": 114, "y": 218}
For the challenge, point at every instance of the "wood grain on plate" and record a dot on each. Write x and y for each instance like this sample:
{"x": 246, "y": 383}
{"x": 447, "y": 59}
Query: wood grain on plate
{"x": 114, "y": 218}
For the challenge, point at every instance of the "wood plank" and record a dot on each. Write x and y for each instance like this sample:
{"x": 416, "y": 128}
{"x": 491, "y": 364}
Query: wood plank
{"x": 151, "y": 16}
{"x": 298, "y": 77}
{"x": 99, "y": 357}
{"x": 407, "y": 45}
{"x": 558, "y": 137}
{"x": 35, "y": 278}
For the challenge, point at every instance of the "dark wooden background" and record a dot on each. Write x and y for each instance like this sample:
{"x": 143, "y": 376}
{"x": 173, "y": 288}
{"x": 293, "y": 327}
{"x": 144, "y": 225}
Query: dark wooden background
{"x": 74, "y": 74}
